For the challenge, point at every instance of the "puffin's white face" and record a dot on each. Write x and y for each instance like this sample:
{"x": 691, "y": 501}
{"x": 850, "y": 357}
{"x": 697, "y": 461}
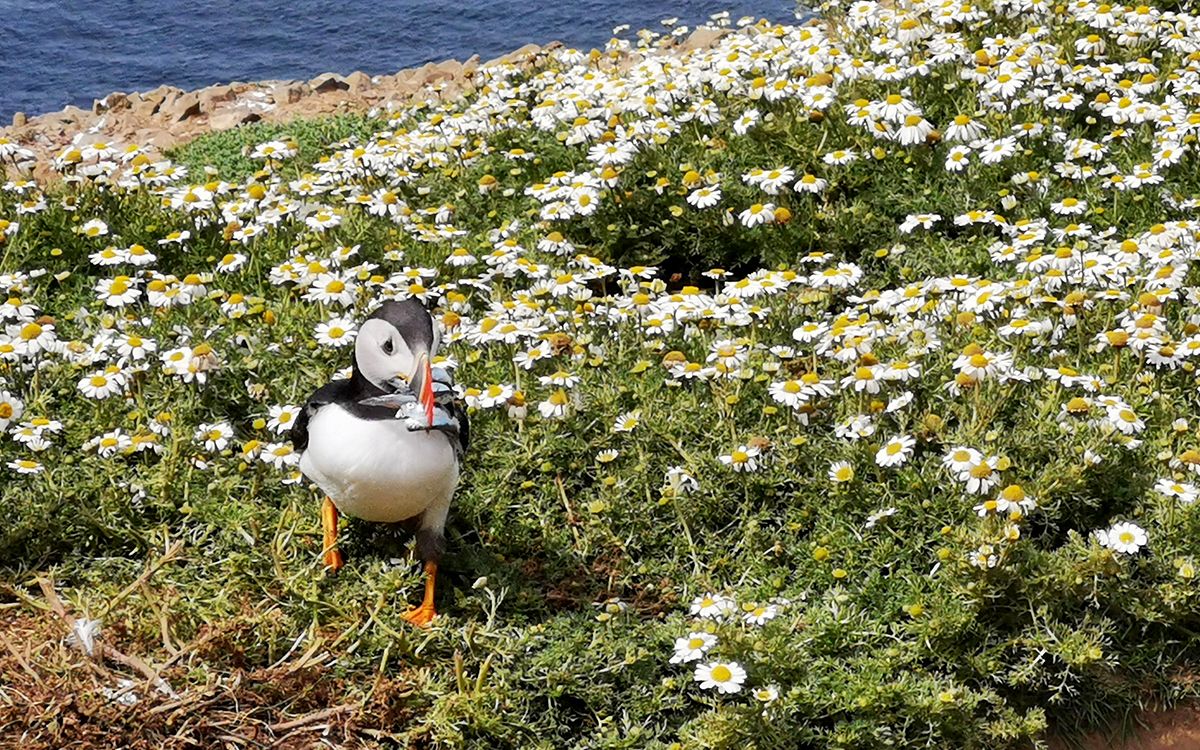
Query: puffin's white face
{"x": 382, "y": 353}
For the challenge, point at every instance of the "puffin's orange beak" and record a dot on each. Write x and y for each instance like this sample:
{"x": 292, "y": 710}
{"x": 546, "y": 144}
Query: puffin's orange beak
{"x": 422, "y": 385}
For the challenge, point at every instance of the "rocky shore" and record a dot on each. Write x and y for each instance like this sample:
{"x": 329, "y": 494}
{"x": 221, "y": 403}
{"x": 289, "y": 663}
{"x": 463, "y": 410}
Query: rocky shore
{"x": 167, "y": 116}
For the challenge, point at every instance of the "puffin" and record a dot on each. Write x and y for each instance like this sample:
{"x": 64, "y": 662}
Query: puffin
{"x": 387, "y": 444}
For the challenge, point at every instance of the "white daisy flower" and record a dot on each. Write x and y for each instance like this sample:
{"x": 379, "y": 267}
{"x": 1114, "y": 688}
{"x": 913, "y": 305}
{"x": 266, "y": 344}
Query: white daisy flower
{"x": 336, "y": 332}
{"x": 1124, "y": 537}
{"x": 896, "y": 451}
{"x": 742, "y": 458}
{"x": 692, "y": 647}
{"x": 726, "y": 677}
{"x": 712, "y": 606}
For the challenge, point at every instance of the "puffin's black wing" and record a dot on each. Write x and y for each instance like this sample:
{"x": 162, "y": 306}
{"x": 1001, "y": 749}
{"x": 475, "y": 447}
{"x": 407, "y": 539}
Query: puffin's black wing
{"x": 327, "y": 394}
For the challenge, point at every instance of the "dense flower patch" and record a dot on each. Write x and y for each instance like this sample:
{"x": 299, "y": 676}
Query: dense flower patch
{"x": 922, "y": 449}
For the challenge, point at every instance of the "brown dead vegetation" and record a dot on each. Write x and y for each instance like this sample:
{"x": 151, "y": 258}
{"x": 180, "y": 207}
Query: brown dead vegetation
{"x": 53, "y": 696}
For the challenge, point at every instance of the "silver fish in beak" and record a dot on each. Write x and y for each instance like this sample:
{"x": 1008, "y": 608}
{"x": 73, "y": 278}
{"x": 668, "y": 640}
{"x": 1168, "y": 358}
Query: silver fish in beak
{"x": 421, "y": 384}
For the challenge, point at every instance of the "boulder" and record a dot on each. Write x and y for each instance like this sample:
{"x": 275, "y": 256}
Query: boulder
{"x": 400, "y": 85}
{"x": 518, "y": 55}
{"x": 155, "y": 138}
{"x": 178, "y": 107}
{"x": 701, "y": 38}
{"x": 417, "y": 76}
{"x": 256, "y": 100}
{"x": 410, "y": 77}
{"x": 71, "y": 114}
{"x": 19, "y": 119}
{"x": 358, "y": 82}
{"x": 114, "y": 102}
{"x": 149, "y": 102}
{"x": 471, "y": 66}
{"x": 288, "y": 92}
{"x": 213, "y": 95}
{"x": 328, "y": 82}
{"x": 232, "y": 117}
{"x": 524, "y": 53}
{"x": 447, "y": 70}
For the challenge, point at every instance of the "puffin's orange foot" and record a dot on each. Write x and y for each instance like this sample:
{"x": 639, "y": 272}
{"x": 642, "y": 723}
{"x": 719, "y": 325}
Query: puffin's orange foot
{"x": 333, "y": 560}
{"x": 421, "y": 616}
{"x": 329, "y": 523}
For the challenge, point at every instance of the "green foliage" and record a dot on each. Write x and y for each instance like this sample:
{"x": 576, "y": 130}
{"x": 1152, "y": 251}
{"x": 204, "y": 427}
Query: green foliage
{"x": 227, "y": 151}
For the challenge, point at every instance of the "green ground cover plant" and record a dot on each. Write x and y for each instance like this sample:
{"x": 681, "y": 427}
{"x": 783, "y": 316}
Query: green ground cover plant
{"x": 831, "y": 386}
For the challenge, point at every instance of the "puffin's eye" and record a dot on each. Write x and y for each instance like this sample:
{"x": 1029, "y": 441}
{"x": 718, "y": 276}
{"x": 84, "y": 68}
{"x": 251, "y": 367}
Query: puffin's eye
{"x": 387, "y": 347}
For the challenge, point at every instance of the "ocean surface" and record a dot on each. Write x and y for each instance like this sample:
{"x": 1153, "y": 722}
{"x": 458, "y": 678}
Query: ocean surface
{"x": 59, "y": 52}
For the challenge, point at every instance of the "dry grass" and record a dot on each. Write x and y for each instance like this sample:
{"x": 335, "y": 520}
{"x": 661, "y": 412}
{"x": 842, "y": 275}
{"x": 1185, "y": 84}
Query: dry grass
{"x": 54, "y": 695}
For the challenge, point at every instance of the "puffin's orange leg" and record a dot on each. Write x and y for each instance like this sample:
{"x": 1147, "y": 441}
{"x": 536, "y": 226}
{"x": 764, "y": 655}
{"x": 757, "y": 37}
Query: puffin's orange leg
{"x": 424, "y": 614}
{"x": 329, "y": 520}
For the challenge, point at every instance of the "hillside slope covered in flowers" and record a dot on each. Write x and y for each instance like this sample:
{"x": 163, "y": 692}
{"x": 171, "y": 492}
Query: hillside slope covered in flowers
{"x": 832, "y": 386}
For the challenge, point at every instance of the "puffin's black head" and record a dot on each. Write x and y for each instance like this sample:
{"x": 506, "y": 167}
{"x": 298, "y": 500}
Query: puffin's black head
{"x": 396, "y": 342}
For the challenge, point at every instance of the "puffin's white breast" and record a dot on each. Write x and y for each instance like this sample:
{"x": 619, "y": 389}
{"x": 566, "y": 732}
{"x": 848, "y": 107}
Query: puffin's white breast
{"x": 377, "y": 470}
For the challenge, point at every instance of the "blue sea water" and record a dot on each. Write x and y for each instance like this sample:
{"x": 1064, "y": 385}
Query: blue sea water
{"x": 54, "y": 52}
